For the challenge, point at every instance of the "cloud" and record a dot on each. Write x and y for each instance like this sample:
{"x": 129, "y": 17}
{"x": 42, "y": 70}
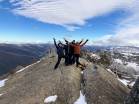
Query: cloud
{"x": 133, "y": 17}
{"x": 74, "y": 13}
{"x": 124, "y": 37}
{"x": 127, "y": 32}
{"x": 69, "y": 14}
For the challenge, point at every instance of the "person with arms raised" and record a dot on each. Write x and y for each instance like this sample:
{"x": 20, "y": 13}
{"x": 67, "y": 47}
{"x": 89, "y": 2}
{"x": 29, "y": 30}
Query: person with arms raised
{"x": 60, "y": 52}
{"x": 77, "y": 49}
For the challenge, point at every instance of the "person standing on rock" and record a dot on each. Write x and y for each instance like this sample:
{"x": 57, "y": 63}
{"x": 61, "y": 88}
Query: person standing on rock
{"x": 66, "y": 47}
{"x": 71, "y": 57}
{"x": 77, "y": 49}
{"x": 60, "y": 52}
{"x": 69, "y": 53}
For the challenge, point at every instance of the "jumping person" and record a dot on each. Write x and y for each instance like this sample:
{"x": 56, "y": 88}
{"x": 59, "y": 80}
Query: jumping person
{"x": 77, "y": 49}
{"x": 60, "y": 52}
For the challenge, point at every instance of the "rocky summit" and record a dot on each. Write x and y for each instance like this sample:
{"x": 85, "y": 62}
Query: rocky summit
{"x": 39, "y": 83}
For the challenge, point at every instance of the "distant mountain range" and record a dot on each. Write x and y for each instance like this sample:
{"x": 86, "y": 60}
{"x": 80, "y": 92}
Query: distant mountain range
{"x": 13, "y": 55}
{"x": 119, "y": 49}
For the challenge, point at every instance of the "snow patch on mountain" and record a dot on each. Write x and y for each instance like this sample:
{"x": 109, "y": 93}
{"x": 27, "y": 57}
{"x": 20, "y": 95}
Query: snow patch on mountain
{"x": 50, "y": 99}
{"x": 125, "y": 49}
{"x": 95, "y": 56}
{"x": 27, "y": 67}
{"x": 2, "y": 82}
{"x": 109, "y": 70}
{"x": 129, "y": 54}
{"x": 81, "y": 99}
{"x": 118, "y": 61}
{"x": 124, "y": 81}
{"x": 127, "y": 82}
{"x": 133, "y": 65}
{"x": 1, "y": 94}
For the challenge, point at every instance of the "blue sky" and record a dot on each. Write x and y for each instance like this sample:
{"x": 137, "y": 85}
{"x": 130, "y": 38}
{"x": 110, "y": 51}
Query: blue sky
{"x": 40, "y": 21}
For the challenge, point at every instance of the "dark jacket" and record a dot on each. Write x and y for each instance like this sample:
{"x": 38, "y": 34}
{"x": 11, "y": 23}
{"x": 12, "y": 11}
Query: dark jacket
{"x": 60, "y": 50}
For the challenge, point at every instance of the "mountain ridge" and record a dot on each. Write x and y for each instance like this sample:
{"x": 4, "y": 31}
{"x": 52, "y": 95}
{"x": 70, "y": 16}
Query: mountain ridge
{"x": 13, "y": 55}
{"x": 33, "y": 84}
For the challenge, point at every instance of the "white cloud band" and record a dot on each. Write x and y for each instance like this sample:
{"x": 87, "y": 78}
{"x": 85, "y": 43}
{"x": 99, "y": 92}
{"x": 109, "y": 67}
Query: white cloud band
{"x": 69, "y": 14}
{"x": 74, "y": 13}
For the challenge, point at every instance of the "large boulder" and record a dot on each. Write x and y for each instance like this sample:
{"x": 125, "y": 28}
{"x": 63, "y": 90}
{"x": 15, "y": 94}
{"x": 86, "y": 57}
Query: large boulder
{"x": 102, "y": 87}
{"x": 39, "y": 81}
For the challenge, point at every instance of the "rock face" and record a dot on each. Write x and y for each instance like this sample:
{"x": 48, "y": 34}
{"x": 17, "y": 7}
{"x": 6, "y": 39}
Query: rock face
{"x": 102, "y": 87}
{"x": 40, "y": 80}
{"x": 133, "y": 97}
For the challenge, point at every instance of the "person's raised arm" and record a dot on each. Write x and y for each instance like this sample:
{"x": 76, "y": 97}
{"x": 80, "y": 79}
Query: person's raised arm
{"x": 55, "y": 42}
{"x": 84, "y": 43}
{"x": 61, "y": 43}
{"x": 67, "y": 42}
{"x": 81, "y": 41}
